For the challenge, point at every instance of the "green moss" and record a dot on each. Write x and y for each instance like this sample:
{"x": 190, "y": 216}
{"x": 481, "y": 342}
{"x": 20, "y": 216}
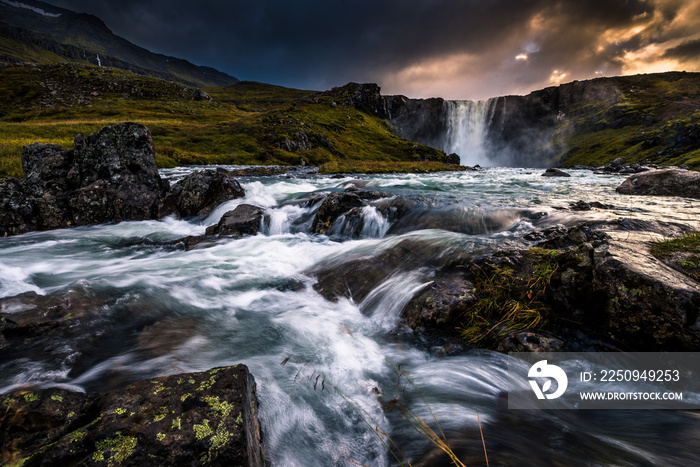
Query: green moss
{"x": 75, "y": 436}
{"x": 119, "y": 448}
{"x": 223, "y": 409}
{"x": 204, "y": 385}
{"x": 219, "y": 439}
{"x": 9, "y": 401}
{"x": 120, "y": 411}
{"x": 239, "y": 419}
{"x": 202, "y": 430}
{"x": 158, "y": 387}
{"x": 160, "y": 436}
{"x": 158, "y": 418}
{"x": 17, "y": 462}
{"x": 177, "y": 424}
{"x": 57, "y": 398}
{"x": 31, "y": 397}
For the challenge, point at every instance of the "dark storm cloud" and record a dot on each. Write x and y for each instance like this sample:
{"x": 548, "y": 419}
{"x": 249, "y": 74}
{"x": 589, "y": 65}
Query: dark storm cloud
{"x": 465, "y": 48}
{"x": 689, "y": 50}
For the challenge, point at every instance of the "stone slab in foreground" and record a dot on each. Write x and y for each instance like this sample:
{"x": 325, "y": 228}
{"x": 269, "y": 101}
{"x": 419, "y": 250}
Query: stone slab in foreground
{"x": 207, "y": 418}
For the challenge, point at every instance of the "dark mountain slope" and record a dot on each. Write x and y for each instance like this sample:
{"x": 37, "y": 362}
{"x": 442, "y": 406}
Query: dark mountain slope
{"x": 36, "y": 32}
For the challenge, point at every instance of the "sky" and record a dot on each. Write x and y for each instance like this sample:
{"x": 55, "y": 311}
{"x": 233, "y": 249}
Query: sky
{"x": 455, "y": 49}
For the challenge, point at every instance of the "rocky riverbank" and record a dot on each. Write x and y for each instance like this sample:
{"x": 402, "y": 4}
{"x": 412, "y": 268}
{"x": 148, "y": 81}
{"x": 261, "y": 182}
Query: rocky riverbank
{"x": 110, "y": 176}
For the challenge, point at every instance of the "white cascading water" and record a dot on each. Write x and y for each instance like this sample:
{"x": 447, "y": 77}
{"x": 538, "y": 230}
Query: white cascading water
{"x": 468, "y": 123}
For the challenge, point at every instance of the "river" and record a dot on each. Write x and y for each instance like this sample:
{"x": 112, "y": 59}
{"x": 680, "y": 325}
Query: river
{"x": 328, "y": 373}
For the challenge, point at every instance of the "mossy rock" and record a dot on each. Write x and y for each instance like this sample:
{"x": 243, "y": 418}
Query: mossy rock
{"x": 207, "y": 418}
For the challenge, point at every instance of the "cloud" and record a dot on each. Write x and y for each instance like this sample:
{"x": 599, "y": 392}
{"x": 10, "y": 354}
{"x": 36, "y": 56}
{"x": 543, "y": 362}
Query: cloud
{"x": 462, "y": 49}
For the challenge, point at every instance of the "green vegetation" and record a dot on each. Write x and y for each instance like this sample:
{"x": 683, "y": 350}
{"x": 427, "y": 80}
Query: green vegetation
{"x": 119, "y": 448}
{"x": 507, "y": 300}
{"x": 681, "y": 253}
{"x": 651, "y": 118}
{"x": 247, "y": 123}
{"x": 380, "y": 167}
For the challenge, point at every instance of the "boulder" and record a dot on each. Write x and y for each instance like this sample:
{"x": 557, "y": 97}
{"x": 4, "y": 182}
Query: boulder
{"x": 665, "y": 182}
{"x": 337, "y": 204}
{"x": 610, "y": 289}
{"x": 199, "y": 193}
{"x": 439, "y": 304}
{"x": 244, "y": 220}
{"x": 554, "y": 172}
{"x": 207, "y": 418}
{"x": 121, "y": 153}
{"x": 584, "y": 206}
{"x": 110, "y": 176}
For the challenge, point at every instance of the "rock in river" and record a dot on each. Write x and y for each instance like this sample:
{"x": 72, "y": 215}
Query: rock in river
{"x": 667, "y": 182}
{"x": 207, "y": 418}
{"x": 244, "y": 220}
{"x": 555, "y": 173}
{"x": 199, "y": 193}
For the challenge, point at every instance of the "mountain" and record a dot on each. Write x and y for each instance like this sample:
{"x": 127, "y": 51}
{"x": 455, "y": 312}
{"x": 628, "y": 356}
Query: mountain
{"x": 38, "y": 33}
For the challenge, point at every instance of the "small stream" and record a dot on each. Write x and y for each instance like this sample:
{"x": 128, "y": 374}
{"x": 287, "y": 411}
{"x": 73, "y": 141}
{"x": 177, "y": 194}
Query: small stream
{"x": 327, "y": 373}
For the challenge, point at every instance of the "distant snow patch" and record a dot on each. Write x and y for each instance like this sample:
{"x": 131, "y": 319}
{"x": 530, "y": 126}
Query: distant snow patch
{"x": 29, "y": 7}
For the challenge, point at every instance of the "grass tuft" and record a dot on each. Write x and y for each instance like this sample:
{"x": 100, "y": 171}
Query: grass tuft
{"x": 507, "y": 301}
{"x": 681, "y": 253}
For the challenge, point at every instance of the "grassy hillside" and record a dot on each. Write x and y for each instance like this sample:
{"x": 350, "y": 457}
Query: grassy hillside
{"x": 247, "y": 123}
{"x": 644, "y": 118}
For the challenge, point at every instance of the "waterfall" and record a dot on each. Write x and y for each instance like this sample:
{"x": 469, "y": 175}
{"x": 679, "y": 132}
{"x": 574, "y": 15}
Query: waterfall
{"x": 467, "y": 130}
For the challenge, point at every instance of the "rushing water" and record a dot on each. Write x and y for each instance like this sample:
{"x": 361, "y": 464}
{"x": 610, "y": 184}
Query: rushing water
{"x": 327, "y": 372}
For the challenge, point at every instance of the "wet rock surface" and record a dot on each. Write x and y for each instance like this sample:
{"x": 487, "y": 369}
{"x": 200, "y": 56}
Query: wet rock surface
{"x": 610, "y": 287}
{"x": 199, "y": 193}
{"x": 666, "y": 182}
{"x": 244, "y": 220}
{"x": 443, "y": 301}
{"x": 207, "y": 418}
{"x": 356, "y": 277}
{"x": 554, "y": 172}
{"x": 337, "y": 204}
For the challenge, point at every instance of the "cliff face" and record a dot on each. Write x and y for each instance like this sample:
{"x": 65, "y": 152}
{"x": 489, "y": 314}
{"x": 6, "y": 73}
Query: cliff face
{"x": 653, "y": 118}
{"x": 423, "y": 120}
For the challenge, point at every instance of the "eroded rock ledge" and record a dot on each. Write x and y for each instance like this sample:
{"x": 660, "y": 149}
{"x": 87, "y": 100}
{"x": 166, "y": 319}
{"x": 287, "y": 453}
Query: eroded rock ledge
{"x": 594, "y": 286}
{"x": 207, "y": 418}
